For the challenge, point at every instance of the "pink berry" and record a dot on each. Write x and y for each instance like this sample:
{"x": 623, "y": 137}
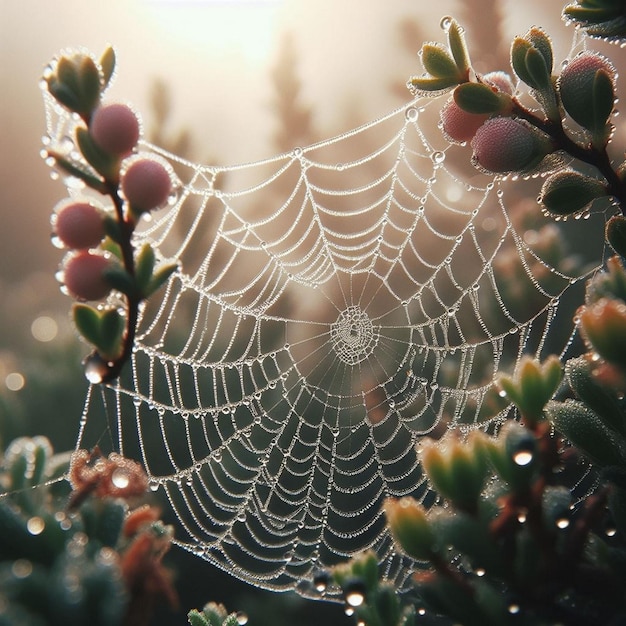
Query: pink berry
{"x": 115, "y": 128}
{"x": 504, "y": 144}
{"x": 576, "y": 85}
{"x": 460, "y": 126}
{"x": 146, "y": 184}
{"x": 78, "y": 225}
{"x": 84, "y": 275}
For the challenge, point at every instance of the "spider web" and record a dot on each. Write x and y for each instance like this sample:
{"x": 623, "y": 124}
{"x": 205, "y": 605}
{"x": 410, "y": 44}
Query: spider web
{"x": 335, "y": 305}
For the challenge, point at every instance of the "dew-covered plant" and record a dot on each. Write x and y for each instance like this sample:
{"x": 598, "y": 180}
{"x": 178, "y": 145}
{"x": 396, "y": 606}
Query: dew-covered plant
{"x": 90, "y": 556}
{"x": 98, "y": 231}
{"x": 522, "y": 535}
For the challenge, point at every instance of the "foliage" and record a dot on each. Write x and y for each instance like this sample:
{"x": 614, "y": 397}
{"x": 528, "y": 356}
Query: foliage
{"x": 519, "y": 537}
{"x": 530, "y": 526}
{"x": 94, "y": 558}
{"x": 133, "y": 185}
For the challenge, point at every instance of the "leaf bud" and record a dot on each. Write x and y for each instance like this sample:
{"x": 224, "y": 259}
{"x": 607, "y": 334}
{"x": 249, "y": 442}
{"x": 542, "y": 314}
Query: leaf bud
{"x": 531, "y": 58}
{"x": 578, "y": 423}
{"x": 532, "y": 385}
{"x": 567, "y": 192}
{"x": 456, "y": 469}
{"x": 515, "y": 455}
{"x": 616, "y": 234}
{"x": 76, "y": 83}
{"x": 410, "y": 527}
{"x": 608, "y": 284}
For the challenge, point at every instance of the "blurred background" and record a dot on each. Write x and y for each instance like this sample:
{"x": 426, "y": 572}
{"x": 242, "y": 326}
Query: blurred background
{"x": 217, "y": 81}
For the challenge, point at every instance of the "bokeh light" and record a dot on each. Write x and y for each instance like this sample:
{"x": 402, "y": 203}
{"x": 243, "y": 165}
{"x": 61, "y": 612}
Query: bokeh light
{"x": 14, "y": 381}
{"x": 44, "y": 328}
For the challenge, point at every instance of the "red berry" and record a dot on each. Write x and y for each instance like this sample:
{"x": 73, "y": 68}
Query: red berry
{"x": 460, "y": 126}
{"x": 504, "y": 144}
{"x": 84, "y": 275}
{"x": 78, "y": 225}
{"x": 115, "y": 128}
{"x": 146, "y": 183}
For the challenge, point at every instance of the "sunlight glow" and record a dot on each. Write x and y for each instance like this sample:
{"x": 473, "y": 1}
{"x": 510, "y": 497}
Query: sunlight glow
{"x": 220, "y": 28}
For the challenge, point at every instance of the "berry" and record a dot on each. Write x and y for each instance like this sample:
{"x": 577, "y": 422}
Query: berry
{"x": 504, "y": 144}
{"x": 146, "y": 184}
{"x": 460, "y": 126}
{"x": 576, "y": 86}
{"x": 78, "y": 225}
{"x": 115, "y": 128}
{"x": 84, "y": 275}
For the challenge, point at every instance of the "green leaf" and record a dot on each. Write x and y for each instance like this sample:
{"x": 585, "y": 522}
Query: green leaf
{"x": 602, "y": 400}
{"x": 519, "y": 49}
{"x": 587, "y": 432}
{"x": 603, "y": 101}
{"x": 616, "y": 234}
{"x": 196, "y": 618}
{"x": 18, "y": 471}
{"x": 458, "y": 48}
{"x": 144, "y": 266}
{"x": 595, "y": 15}
{"x": 89, "y": 77}
{"x": 112, "y": 326}
{"x": 107, "y": 63}
{"x": 615, "y": 28}
{"x": 41, "y": 453}
{"x": 159, "y": 278}
{"x": 87, "y": 322}
{"x": 420, "y": 85}
{"x": 531, "y": 389}
{"x": 470, "y": 536}
{"x": 63, "y": 94}
{"x": 214, "y": 613}
{"x": 568, "y": 192}
{"x": 438, "y": 62}
{"x": 537, "y": 70}
{"x": 614, "y": 5}
{"x": 103, "y": 519}
{"x": 541, "y": 42}
{"x": 121, "y": 280}
{"x": 507, "y": 457}
{"x": 74, "y": 170}
{"x": 477, "y": 98}
{"x": 112, "y": 229}
{"x": 67, "y": 75}
{"x": 102, "y": 162}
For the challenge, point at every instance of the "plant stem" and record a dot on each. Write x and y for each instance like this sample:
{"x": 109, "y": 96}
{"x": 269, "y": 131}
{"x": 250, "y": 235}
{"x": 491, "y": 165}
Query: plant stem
{"x": 591, "y": 155}
{"x": 133, "y": 301}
